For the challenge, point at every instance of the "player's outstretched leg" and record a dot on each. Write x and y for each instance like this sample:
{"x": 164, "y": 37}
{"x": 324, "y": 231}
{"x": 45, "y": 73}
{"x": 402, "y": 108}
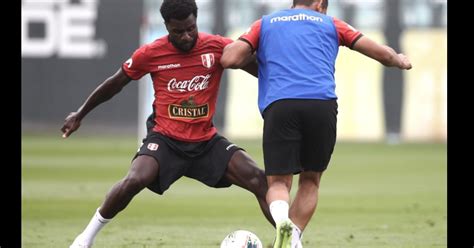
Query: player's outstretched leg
{"x": 142, "y": 172}
{"x": 306, "y": 199}
{"x": 244, "y": 172}
{"x": 86, "y": 238}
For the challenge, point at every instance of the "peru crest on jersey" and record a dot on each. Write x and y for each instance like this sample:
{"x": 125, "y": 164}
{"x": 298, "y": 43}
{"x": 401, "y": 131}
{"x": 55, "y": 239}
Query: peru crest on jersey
{"x": 207, "y": 60}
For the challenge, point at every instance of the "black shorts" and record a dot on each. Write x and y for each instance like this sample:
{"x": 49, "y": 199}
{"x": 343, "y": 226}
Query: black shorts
{"x": 298, "y": 135}
{"x": 204, "y": 161}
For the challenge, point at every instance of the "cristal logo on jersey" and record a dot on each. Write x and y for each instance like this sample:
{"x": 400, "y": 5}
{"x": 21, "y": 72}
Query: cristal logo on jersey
{"x": 197, "y": 83}
{"x": 207, "y": 60}
{"x": 188, "y": 109}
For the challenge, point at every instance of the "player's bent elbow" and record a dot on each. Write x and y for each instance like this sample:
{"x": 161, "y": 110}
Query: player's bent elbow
{"x": 225, "y": 63}
{"x": 228, "y": 62}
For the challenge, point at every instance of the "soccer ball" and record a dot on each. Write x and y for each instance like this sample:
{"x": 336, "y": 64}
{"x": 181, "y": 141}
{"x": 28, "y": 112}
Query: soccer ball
{"x": 241, "y": 239}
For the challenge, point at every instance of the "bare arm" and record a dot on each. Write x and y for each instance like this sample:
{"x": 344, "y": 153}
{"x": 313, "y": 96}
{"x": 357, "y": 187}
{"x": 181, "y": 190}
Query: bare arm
{"x": 252, "y": 66}
{"x": 105, "y": 91}
{"x": 384, "y": 54}
{"x": 237, "y": 55}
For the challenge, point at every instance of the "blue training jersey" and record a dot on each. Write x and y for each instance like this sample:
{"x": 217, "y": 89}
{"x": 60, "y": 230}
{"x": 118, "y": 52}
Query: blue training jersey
{"x": 296, "y": 56}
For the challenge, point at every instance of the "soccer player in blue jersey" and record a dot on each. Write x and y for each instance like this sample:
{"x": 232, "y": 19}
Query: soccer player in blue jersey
{"x": 296, "y": 50}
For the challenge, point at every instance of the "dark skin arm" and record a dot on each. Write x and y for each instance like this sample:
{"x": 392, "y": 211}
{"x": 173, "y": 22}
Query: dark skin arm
{"x": 105, "y": 91}
{"x": 237, "y": 55}
{"x": 251, "y": 67}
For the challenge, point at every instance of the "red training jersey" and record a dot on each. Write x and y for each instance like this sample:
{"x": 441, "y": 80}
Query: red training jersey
{"x": 185, "y": 84}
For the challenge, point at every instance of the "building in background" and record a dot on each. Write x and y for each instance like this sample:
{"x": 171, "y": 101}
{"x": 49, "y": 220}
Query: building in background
{"x": 374, "y": 104}
{"x": 68, "y": 48}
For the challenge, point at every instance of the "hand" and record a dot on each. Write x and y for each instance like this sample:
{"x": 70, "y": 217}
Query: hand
{"x": 71, "y": 124}
{"x": 404, "y": 62}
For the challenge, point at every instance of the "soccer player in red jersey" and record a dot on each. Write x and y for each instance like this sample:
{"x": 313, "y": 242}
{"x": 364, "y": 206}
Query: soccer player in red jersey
{"x": 182, "y": 140}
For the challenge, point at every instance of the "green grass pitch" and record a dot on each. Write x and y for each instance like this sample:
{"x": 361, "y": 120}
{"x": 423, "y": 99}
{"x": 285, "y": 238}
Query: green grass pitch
{"x": 372, "y": 195}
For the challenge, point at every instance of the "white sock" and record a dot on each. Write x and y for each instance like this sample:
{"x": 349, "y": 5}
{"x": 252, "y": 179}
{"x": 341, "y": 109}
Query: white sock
{"x": 279, "y": 210}
{"x": 297, "y": 231}
{"x": 94, "y": 226}
{"x": 296, "y": 235}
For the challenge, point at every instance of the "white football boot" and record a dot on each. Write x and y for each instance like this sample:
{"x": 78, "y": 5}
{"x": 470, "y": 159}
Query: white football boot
{"x": 283, "y": 234}
{"x": 79, "y": 242}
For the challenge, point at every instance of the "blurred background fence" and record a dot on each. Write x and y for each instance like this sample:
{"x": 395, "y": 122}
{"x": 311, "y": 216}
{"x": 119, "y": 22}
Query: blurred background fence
{"x": 69, "y": 47}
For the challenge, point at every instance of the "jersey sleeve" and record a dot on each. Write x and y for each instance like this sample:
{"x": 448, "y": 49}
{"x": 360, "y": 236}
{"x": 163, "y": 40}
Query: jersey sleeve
{"x": 225, "y": 41}
{"x": 136, "y": 66}
{"x": 252, "y": 35}
{"x": 346, "y": 34}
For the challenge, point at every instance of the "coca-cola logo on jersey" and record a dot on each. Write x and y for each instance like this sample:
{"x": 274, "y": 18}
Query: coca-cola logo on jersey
{"x": 197, "y": 83}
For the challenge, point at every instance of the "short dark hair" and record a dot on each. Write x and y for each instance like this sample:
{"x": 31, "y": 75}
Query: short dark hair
{"x": 178, "y": 9}
{"x": 309, "y": 2}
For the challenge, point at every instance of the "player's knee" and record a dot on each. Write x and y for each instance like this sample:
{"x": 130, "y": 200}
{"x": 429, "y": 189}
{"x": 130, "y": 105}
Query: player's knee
{"x": 308, "y": 187}
{"x": 310, "y": 179}
{"x": 258, "y": 183}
